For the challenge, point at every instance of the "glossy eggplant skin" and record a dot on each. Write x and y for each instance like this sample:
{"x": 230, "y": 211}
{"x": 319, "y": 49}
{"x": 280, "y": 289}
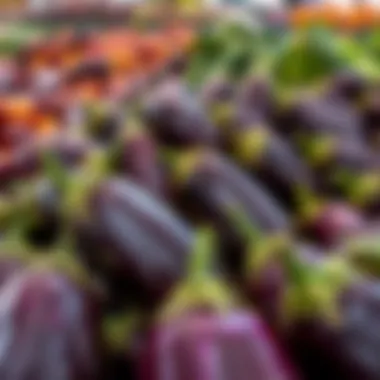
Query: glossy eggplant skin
{"x": 320, "y": 116}
{"x": 48, "y": 329}
{"x": 235, "y": 345}
{"x": 348, "y": 350}
{"x": 138, "y": 159}
{"x": 273, "y": 161}
{"x": 176, "y": 118}
{"x": 349, "y": 87}
{"x": 133, "y": 239}
{"x": 324, "y": 348}
{"x": 218, "y": 187}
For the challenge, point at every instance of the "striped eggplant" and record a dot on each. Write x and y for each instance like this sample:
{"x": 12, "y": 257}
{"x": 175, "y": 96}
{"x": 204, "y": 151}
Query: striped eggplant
{"x": 49, "y": 328}
{"x": 235, "y": 345}
{"x": 130, "y": 238}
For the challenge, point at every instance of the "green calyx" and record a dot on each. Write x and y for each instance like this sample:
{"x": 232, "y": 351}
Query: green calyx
{"x": 75, "y": 185}
{"x": 182, "y": 165}
{"x": 317, "y": 149}
{"x": 308, "y": 205}
{"x": 364, "y": 188}
{"x": 201, "y": 289}
{"x": 261, "y": 249}
{"x": 313, "y": 289}
{"x": 364, "y": 253}
{"x": 222, "y": 113}
{"x": 119, "y": 329}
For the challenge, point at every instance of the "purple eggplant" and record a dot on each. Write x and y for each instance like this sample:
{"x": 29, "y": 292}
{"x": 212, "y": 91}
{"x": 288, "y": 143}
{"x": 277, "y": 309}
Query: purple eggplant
{"x": 236, "y": 345}
{"x": 333, "y": 223}
{"x": 131, "y": 238}
{"x": 349, "y": 87}
{"x": 371, "y": 119}
{"x": 50, "y": 329}
{"x": 258, "y": 94}
{"x": 312, "y": 117}
{"x": 137, "y": 158}
{"x": 323, "y": 309}
{"x": 271, "y": 159}
{"x": 202, "y": 335}
{"x": 176, "y": 118}
{"x": 28, "y": 161}
{"x": 209, "y": 185}
{"x": 347, "y": 169}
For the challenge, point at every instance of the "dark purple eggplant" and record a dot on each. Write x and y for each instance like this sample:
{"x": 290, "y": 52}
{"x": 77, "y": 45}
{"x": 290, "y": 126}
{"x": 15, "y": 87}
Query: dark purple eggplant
{"x": 347, "y": 169}
{"x": 323, "y": 310}
{"x": 131, "y": 238}
{"x": 311, "y": 117}
{"x": 209, "y": 185}
{"x": 137, "y": 158}
{"x": 272, "y": 160}
{"x": 176, "y": 118}
{"x": 349, "y": 87}
{"x": 258, "y": 94}
{"x": 28, "y": 161}
{"x": 50, "y": 328}
{"x": 371, "y": 119}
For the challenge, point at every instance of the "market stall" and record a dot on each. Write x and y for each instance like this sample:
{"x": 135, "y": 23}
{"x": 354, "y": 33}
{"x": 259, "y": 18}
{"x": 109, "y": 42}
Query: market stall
{"x": 190, "y": 193}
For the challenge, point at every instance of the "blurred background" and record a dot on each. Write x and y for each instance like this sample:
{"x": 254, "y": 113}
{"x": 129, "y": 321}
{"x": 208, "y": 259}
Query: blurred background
{"x": 189, "y": 190}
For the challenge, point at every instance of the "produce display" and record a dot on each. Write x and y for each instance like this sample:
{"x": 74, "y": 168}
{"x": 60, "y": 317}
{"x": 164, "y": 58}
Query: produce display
{"x": 184, "y": 204}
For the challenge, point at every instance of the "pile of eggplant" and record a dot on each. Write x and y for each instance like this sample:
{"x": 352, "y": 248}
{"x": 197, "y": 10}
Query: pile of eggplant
{"x": 223, "y": 225}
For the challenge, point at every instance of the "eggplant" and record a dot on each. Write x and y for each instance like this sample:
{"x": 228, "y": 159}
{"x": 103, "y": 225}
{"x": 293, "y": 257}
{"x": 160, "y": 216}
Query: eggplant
{"x": 349, "y": 87}
{"x": 258, "y": 94}
{"x": 202, "y": 334}
{"x": 312, "y": 117}
{"x": 322, "y": 309}
{"x": 272, "y": 160}
{"x": 130, "y": 238}
{"x": 137, "y": 158}
{"x": 348, "y": 169}
{"x": 209, "y": 185}
{"x": 371, "y": 120}
{"x": 236, "y": 345}
{"x": 176, "y": 118}
{"x": 29, "y": 160}
{"x": 49, "y": 327}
